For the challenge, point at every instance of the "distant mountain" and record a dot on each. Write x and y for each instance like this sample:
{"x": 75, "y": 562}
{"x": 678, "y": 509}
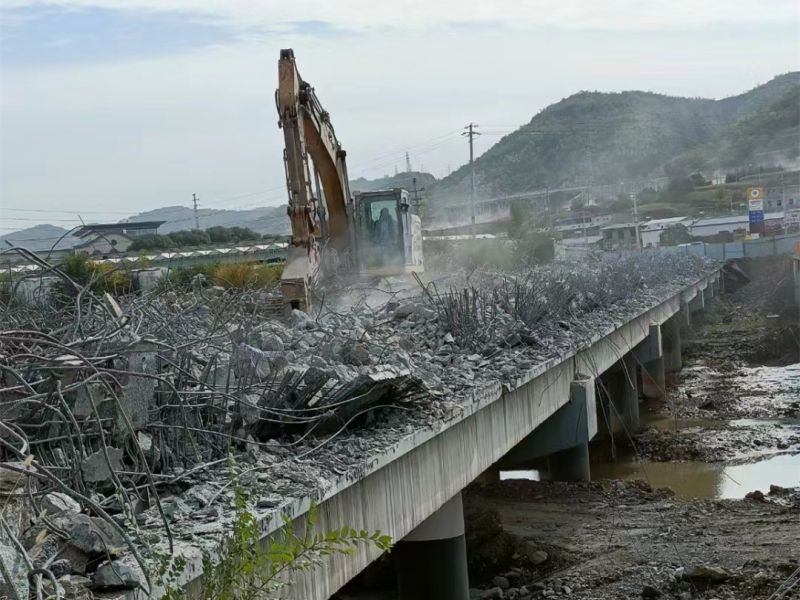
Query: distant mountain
{"x": 40, "y": 238}
{"x": 267, "y": 219}
{"x": 606, "y": 138}
{"x": 401, "y": 180}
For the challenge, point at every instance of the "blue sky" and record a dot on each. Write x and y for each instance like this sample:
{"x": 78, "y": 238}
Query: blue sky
{"x": 135, "y": 104}
{"x": 49, "y": 34}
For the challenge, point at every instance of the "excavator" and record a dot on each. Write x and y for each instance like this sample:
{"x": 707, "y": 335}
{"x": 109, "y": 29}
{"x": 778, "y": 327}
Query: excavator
{"x": 373, "y": 233}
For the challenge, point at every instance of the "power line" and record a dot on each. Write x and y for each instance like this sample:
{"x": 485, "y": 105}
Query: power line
{"x": 470, "y": 133}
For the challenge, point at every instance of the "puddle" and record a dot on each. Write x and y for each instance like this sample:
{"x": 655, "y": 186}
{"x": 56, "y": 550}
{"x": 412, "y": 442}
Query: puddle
{"x": 707, "y": 480}
{"x": 695, "y": 479}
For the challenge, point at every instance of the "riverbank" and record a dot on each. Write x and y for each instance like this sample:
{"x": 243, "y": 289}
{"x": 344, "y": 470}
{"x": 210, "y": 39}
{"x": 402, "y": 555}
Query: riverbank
{"x": 627, "y": 540}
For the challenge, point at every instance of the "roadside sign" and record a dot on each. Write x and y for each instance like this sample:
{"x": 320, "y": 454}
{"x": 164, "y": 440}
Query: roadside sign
{"x": 755, "y": 198}
{"x": 755, "y": 206}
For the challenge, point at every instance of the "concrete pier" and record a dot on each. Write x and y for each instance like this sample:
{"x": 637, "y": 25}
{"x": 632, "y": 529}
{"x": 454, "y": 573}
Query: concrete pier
{"x": 650, "y": 357}
{"x": 563, "y": 438}
{"x": 671, "y": 344}
{"x": 622, "y": 401}
{"x": 571, "y": 464}
{"x": 431, "y": 561}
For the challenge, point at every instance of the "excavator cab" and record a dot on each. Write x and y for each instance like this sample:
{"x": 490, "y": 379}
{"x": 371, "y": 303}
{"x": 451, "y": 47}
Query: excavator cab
{"x": 388, "y": 235}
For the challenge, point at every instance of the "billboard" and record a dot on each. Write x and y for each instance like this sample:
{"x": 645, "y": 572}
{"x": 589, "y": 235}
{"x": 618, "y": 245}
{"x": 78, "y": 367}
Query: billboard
{"x": 755, "y": 207}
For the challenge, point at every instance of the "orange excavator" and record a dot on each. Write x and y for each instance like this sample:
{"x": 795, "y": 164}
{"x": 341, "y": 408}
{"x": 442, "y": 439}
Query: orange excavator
{"x": 373, "y": 233}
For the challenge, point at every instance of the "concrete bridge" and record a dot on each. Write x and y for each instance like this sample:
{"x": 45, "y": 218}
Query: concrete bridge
{"x": 412, "y": 491}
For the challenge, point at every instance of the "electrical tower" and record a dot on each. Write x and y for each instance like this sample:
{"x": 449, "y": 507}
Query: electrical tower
{"x": 196, "y": 218}
{"x": 470, "y": 131}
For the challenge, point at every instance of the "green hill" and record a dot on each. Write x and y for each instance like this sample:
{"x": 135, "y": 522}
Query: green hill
{"x": 606, "y": 138}
{"x": 768, "y": 136}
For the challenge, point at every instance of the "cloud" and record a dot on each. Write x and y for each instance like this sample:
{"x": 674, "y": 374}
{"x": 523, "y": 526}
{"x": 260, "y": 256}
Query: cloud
{"x": 432, "y": 14}
{"x": 141, "y": 131}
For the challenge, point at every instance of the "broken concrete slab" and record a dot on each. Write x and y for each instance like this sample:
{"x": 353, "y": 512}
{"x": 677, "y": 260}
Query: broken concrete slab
{"x": 14, "y": 574}
{"x": 115, "y": 575}
{"x": 96, "y": 468}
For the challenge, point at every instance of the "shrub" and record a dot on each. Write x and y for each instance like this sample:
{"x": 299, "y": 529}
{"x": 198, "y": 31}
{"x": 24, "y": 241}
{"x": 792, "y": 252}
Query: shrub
{"x": 182, "y": 276}
{"x": 5, "y": 288}
{"x": 101, "y": 277}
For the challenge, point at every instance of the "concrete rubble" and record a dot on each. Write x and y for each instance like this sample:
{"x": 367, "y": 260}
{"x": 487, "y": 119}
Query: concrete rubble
{"x": 129, "y": 411}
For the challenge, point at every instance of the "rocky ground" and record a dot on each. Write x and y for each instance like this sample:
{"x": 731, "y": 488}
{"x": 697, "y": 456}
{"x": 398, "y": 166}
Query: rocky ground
{"x": 625, "y": 540}
{"x": 738, "y": 395}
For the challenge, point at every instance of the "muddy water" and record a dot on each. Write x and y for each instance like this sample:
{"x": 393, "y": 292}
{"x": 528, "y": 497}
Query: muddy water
{"x": 762, "y": 395}
{"x": 762, "y": 399}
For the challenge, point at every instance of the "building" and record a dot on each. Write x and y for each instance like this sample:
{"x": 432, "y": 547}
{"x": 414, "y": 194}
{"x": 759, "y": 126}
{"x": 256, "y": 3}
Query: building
{"x": 650, "y": 231}
{"x": 618, "y": 235}
{"x": 581, "y": 226}
{"x": 104, "y": 239}
{"x": 737, "y": 224}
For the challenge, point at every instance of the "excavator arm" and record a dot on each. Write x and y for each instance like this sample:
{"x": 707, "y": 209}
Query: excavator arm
{"x": 307, "y": 131}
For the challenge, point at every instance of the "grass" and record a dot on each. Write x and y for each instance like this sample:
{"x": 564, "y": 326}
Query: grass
{"x": 242, "y": 276}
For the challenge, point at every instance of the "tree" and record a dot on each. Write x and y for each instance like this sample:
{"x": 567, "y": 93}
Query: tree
{"x": 578, "y": 203}
{"x": 698, "y": 180}
{"x": 152, "y": 242}
{"x": 677, "y": 234}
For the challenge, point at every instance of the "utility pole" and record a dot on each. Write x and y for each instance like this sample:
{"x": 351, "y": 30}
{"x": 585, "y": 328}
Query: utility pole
{"x": 636, "y": 221}
{"x": 196, "y": 218}
{"x": 590, "y": 151}
{"x": 470, "y": 132}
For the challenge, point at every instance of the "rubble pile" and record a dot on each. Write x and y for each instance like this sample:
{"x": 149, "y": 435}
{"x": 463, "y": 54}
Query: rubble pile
{"x": 127, "y": 421}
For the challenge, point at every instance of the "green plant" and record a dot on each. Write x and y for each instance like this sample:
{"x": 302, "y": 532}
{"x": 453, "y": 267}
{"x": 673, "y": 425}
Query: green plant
{"x": 5, "y": 288}
{"x": 182, "y": 276}
{"x": 248, "y": 567}
{"x": 100, "y": 277}
{"x": 251, "y": 569}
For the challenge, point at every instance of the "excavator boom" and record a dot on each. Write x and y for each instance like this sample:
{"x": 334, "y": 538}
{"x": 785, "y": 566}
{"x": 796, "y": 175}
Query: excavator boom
{"x": 382, "y": 225}
{"x": 307, "y": 132}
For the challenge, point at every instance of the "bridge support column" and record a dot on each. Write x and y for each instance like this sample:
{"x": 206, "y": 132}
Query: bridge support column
{"x": 563, "y": 438}
{"x": 671, "y": 344}
{"x": 571, "y": 464}
{"x": 697, "y": 303}
{"x": 623, "y": 396}
{"x": 431, "y": 561}
{"x": 649, "y": 354}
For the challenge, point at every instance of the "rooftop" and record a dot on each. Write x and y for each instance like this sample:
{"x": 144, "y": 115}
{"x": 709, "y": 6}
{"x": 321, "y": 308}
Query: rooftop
{"x": 121, "y": 227}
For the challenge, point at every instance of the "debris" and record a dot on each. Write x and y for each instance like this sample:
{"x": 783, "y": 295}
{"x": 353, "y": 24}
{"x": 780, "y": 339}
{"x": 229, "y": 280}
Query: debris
{"x": 707, "y": 574}
{"x": 97, "y": 468}
{"x": 648, "y": 591}
{"x": 114, "y": 575}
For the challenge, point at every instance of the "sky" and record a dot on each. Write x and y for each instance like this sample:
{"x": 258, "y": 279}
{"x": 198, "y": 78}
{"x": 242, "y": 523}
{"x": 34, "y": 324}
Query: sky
{"x": 112, "y": 107}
